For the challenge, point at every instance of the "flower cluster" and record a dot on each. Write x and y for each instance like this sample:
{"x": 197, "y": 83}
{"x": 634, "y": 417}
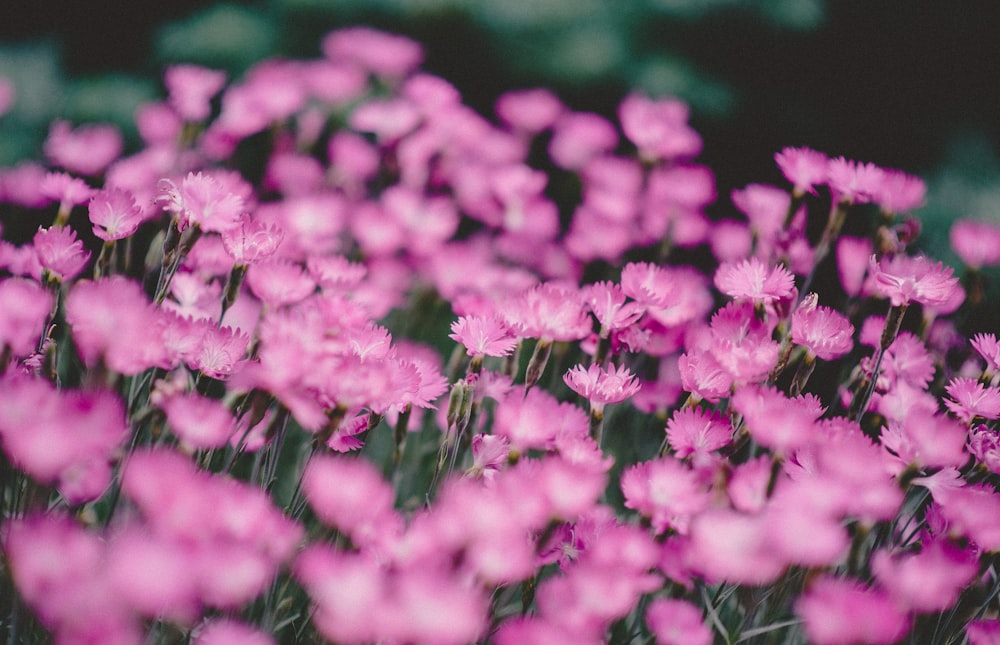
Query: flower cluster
{"x": 393, "y": 385}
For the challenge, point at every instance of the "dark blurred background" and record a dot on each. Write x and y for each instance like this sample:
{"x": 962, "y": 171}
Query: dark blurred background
{"x": 910, "y": 84}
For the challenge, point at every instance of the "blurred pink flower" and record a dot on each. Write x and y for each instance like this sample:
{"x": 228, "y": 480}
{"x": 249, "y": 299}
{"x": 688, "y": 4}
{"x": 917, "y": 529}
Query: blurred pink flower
{"x": 852, "y": 263}
{"x": 225, "y": 631}
{"x": 658, "y": 128}
{"x": 899, "y": 192}
{"x": 60, "y": 253}
{"x": 578, "y": 137}
{"x": 203, "y": 200}
{"x": 375, "y": 51}
{"x": 279, "y": 282}
{"x": 8, "y": 95}
{"x": 904, "y": 279}
{"x": 24, "y": 309}
{"x": 199, "y": 422}
{"x": 190, "y": 90}
{"x": 803, "y": 167}
{"x": 549, "y": 312}
{"x": 704, "y": 376}
{"x": 666, "y": 491}
{"x": 984, "y": 444}
{"x": 976, "y": 242}
{"x": 529, "y": 111}
{"x": 741, "y": 342}
{"x": 66, "y": 189}
{"x": 86, "y": 150}
{"x": 927, "y": 581}
{"x": 853, "y": 181}
{"x": 985, "y": 631}
{"x": 776, "y": 421}
{"x": 839, "y": 610}
{"x": 677, "y": 622}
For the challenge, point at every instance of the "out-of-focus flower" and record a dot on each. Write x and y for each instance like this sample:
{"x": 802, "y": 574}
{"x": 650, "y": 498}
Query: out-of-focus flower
{"x": 904, "y": 279}
{"x": 202, "y": 200}
{"x": 659, "y": 129}
{"x": 803, "y": 167}
{"x": 375, "y": 51}
{"x": 839, "y": 610}
{"x": 60, "y": 253}
{"x": 578, "y": 137}
{"x": 191, "y": 88}
{"x": 86, "y": 150}
{"x": 976, "y": 242}
{"x": 899, "y": 192}
{"x": 677, "y": 622}
{"x": 529, "y": 111}
{"x": 24, "y": 308}
{"x": 852, "y": 181}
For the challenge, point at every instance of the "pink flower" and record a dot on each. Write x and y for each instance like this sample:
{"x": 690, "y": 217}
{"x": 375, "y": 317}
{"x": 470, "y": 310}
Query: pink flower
{"x": 529, "y": 111}
{"x": 224, "y": 631}
{"x": 114, "y": 214}
{"x": 87, "y": 150}
{"x": 578, "y": 137}
{"x": 202, "y": 200}
{"x": 351, "y": 495}
{"x": 607, "y": 302}
{"x": 766, "y": 208}
{"x": 8, "y": 95}
{"x": 378, "y": 52}
{"x": 977, "y": 243}
{"x": 199, "y": 422}
{"x": 927, "y": 439}
{"x": 803, "y": 167}
{"x": 66, "y": 189}
{"x": 985, "y": 631}
{"x": 984, "y": 444}
{"x": 776, "y": 421}
{"x": 987, "y": 346}
{"x": 730, "y": 546}
{"x": 666, "y": 491}
{"x": 852, "y": 263}
{"x": 677, "y": 622}
{"x": 852, "y": 181}
{"x": 971, "y": 399}
{"x": 837, "y": 610}
{"x": 600, "y": 386}
{"x": 752, "y": 280}
{"x": 534, "y": 420}
{"x": 704, "y": 376}
{"x": 659, "y": 129}
{"x": 899, "y": 192}
{"x": 823, "y": 331}
{"x": 483, "y": 336}
{"x": 220, "y": 351}
{"x": 742, "y": 343}
{"x": 191, "y": 88}
{"x": 693, "y": 431}
{"x": 279, "y": 283}
{"x": 549, "y": 312}
{"x": 904, "y": 279}
{"x": 928, "y": 581}
{"x": 60, "y": 253}
{"x": 24, "y": 309}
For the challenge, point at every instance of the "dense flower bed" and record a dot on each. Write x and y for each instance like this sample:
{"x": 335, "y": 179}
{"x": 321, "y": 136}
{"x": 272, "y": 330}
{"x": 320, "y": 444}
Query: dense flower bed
{"x": 231, "y": 410}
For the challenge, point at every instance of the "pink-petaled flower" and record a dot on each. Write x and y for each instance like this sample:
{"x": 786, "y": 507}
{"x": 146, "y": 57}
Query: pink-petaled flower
{"x": 191, "y": 88}
{"x": 66, "y": 189}
{"x": 766, "y": 207}
{"x": 24, "y": 308}
{"x": 926, "y": 439}
{"x": 483, "y": 336}
{"x": 578, "y": 137}
{"x": 826, "y": 333}
{"x": 351, "y": 495}
{"x": 114, "y": 214}
{"x": 776, "y": 421}
{"x": 529, "y": 111}
{"x": 60, "y": 253}
{"x": 549, "y": 312}
{"x": 202, "y": 200}
{"x": 852, "y": 263}
{"x": 8, "y": 95}
{"x": 971, "y": 399}
{"x": 87, "y": 150}
{"x": 220, "y": 352}
{"x": 489, "y": 454}
{"x": 803, "y": 167}
{"x": 677, "y": 622}
{"x": 704, "y": 376}
{"x": 904, "y": 279}
{"x": 606, "y": 300}
{"x": 976, "y": 242}
{"x": 280, "y": 282}
{"x": 927, "y": 581}
{"x": 658, "y": 128}
{"x": 378, "y": 52}
{"x": 839, "y": 610}
{"x": 852, "y": 181}
{"x": 666, "y": 491}
{"x": 199, "y": 422}
{"x": 899, "y": 192}
{"x": 388, "y": 119}
{"x": 752, "y": 280}
{"x": 987, "y": 346}
{"x": 693, "y": 431}
{"x": 251, "y": 240}
{"x": 985, "y": 631}
{"x": 535, "y": 419}
{"x": 742, "y": 343}
{"x": 602, "y": 386}
{"x": 984, "y": 444}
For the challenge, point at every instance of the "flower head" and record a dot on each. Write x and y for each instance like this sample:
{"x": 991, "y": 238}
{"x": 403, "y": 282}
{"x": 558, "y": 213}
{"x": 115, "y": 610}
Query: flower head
{"x": 977, "y": 243}
{"x": 970, "y": 399}
{"x": 803, "y": 167}
{"x": 904, "y": 279}
{"x": 114, "y": 214}
{"x": 483, "y": 336}
{"x": 693, "y": 431}
{"x": 601, "y": 386}
{"x": 202, "y": 200}
{"x": 191, "y": 88}
{"x": 60, "y": 253}
{"x": 752, "y": 280}
{"x": 823, "y": 331}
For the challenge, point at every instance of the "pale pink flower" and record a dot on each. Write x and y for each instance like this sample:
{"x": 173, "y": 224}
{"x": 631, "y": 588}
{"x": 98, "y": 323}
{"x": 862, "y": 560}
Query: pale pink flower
{"x": 693, "y": 431}
{"x": 224, "y": 631}
{"x": 730, "y": 546}
{"x": 203, "y": 200}
{"x": 66, "y": 189}
{"x": 388, "y": 119}
{"x": 534, "y": 419}
{"x": 114, "y": 214}
{"x": 742, "y": 343}
{"x": 351, "y": 495}
{"x": 928, "y": 581}
{"x": 346, "y": 589}
{"x": 483, "y": 336}
{"x": 220, "y": 351}
{"x": 279, "y": 283}
{"x": 904, "y": 279}
{"x": 602, "y": 386}
{"x": 60, "y": 253}
{"x": 24, "y": 309}
{"x": 731, "y": 241}
{"x": 927, "y": 439}
{"x": 704, "y": 376}
{"x": 803, "y": 167}
{"x": 549, "y": 312}
{"x": 839, "y": 610}
{"x": 86, "y": 150}
{"x": 852, "y": 263}
{"x": 776, "y": 421}
{"x": 984, "y": 444}
{"x": 199, "y": 422}
{"x": 766, "y": 208}
{"x": 251, "y": 241}
{"x": 489, "y": 454}
{"x": 191, "y": 88}
{"x": 22, "y": 183}
{"x": 853, "y": 181}
{"x": 606, "y": 300}
{"x": 970, "y": 399}
{"x": 578, "y": 137}
{"x": 677, "y": 622}
{"x": 752, "y": 280}
{"x": 899, "y": 192}
{"x": 666, "y": 491}
{"x": 8, "y": 95}
{"x": 378, "y": 52}
{"x": 353, "y": 160}
{"x": 985, "y": 631}
{"x": 658, "y": 128}
{"x": 823, "y": 331}
{"x": 976, "y": 242}
{"x": 529, "y": 111}
{"x": 158, "y": 124}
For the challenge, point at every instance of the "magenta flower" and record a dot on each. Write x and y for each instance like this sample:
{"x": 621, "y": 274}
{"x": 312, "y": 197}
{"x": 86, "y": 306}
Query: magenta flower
{"x": 200, "y": 423}
{"x": 529, "y": 111}
{"x": 224, "y": 631}
{"x": 606, "y": 301}
{"x": 971, "y": 399}
{"x": 928, "y": 581}
{"x": 837, "y": 610}
{"x": 693, "y": 431}
{"x": 549, "y": 312}
{"x": 852, "y": 181}
{"x": 776, "y": 421}
{"x": 985, "y": 631}
{"x": 666, "y": 491}
{"x": 351, "y": 495}
{"x": 378, "y": 52}
{"x": 704, "y": 376}
{"x": 483, "y": 336}
{"x": 578, "y": 137}
{"x": 987, "y": 346}
{"x": 803, "y": 167}
{"x": 677, "y": 622}
{"x": 60, "y": 253}
{"x": 904, "y": 279}
{"x": 87, "y": 150}
{"x": 602, "y": 386}
{"x": 658, "y": 128}
{"x": 24, "y": 308}
{"x": 742, "y": 344}
{"x": 207, "y": 201}
{"x": 977, "y": 243}
{"x": 279, "y": 283}
{"x": 852, "y": 263}
{"x": 191, "y": 88}
{"x": 752, "y": 280}
{"x": 114, "y": 214}
{"x": 534, "y": 420}
{"x": 899, "y": 192}
{"x": 66, "y": 189}
{"x": 823, "y": 331}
